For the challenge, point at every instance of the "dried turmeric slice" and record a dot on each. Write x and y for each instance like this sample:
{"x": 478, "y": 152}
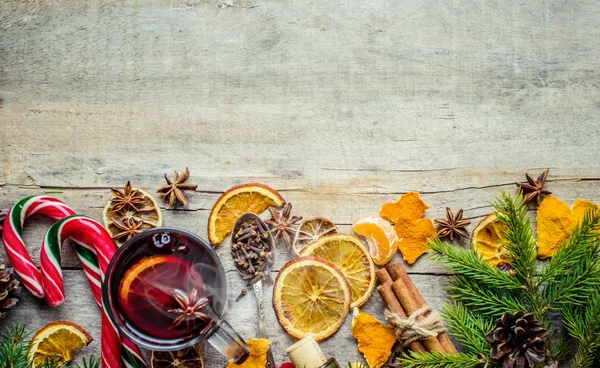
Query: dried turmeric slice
{"x": 408, "y": 206}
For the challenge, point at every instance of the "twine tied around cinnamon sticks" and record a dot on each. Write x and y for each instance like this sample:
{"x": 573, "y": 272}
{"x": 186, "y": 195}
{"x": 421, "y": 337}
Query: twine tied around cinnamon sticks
{"x": 405, "y": 301}
{"x": 422, "y": 324}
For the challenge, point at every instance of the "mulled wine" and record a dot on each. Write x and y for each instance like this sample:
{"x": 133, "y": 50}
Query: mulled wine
{"x": 166, "y": 289}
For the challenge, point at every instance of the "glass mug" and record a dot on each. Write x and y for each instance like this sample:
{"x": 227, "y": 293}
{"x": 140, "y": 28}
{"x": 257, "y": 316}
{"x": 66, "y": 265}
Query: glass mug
{"x": 166, "y": 290}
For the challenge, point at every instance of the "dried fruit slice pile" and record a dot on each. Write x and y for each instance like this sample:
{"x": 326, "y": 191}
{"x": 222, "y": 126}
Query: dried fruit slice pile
{"x": 348, "y": 254}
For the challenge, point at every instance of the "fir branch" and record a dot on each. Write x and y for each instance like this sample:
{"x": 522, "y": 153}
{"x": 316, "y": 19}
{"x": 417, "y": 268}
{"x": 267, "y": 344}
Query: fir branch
{"x": 520, "y": 243}
{"x": 469, "y": 263}
{"x": 468, "y": 328}
{"x": 14, "y": 343}
{"x": 90, "y": 362}
{"x": 583, "y": 324}
{"x": 489, "y": 302}
{"x": 441, "y": 360}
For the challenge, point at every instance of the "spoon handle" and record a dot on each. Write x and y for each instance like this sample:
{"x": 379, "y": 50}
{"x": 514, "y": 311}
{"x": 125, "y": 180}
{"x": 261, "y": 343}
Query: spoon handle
{"x": 262, "y": 325}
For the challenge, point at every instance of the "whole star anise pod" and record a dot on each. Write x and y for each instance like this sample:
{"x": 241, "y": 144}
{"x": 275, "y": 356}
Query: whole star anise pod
{"x": 173, "y": 191}
{"x": 281, "y": 224}
{"x": 453, "y": 225}
{"x": 128, "y": 198}
{"x": 190, "y": 306}
{"x": 518, "y": 341}
{"x": 534, "y": 189}
{"x": 129, "y": 228}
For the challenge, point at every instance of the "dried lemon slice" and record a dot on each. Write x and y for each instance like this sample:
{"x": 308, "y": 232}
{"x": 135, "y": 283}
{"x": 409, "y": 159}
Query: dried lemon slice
{"x": 311, "y": 297}
{"x": 310, "y": 230}
{"x": 238, "y": 200}
{"x": 352, "y": 258}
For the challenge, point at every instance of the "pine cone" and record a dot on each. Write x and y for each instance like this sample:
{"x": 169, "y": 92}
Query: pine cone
{"x": 518, "y": 341}
{"x": 9, "y": 288}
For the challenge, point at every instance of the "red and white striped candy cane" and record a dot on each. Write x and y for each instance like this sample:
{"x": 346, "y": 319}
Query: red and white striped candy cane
{"x": 13, "y": 242}
{"x": 95, "y": 249}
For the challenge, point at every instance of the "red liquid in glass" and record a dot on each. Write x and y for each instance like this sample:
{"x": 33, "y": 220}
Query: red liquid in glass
{"x": 146, "y": 295}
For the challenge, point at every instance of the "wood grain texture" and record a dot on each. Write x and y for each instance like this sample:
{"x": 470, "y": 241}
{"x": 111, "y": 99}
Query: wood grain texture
{"x": 341, "y": 105}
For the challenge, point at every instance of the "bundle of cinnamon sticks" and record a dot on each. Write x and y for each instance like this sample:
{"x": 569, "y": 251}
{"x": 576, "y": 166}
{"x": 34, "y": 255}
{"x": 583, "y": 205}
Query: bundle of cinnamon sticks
{"x": 403, "y": 298}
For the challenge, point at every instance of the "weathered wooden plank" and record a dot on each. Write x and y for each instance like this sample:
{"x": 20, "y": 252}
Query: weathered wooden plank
{"x": 339, "y": 207}
{"x": 80, "y": 308}
{"x": 343, "y": 98}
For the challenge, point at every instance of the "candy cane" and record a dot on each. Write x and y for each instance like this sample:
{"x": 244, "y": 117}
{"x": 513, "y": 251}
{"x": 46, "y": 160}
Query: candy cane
{"x": 94, "y": 248}
{"x": 13, "y": 242}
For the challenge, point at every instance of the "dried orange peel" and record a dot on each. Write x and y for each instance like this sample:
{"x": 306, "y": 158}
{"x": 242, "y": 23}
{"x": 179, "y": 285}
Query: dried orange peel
{"x": 375, "y": 339}
{"x": 556, "y": 221}
{"x": 413, "y": 231}
{"x": 258, "y": 355}
{"x": 408, "y": 206}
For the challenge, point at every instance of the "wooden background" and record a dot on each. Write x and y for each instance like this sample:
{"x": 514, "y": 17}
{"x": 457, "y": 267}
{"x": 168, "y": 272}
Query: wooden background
{"x": 340, "y": 105}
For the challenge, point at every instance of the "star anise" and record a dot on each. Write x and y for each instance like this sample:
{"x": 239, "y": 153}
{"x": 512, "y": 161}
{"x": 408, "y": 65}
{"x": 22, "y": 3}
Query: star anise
{"x": 127, "y": 198}
{"x": 173, "y": 192}
{"x": 453, "y": 225}
{"x": 534, "y": 189}
{"x": 190, "y": 306}
{"x": 128, "y": 227}
{"x": 282, "y": 225}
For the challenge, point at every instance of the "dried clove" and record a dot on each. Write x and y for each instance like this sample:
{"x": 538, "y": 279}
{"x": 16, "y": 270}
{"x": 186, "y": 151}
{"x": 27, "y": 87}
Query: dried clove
{"x": 243, "y": 292}
{"x": 251, "y": 251}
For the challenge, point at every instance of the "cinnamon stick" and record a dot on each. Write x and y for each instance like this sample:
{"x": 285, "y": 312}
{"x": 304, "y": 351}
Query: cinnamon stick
{"x": 397, "y": 271}
{"x": 389, "y": 298}
{"x": 409, "y": 305}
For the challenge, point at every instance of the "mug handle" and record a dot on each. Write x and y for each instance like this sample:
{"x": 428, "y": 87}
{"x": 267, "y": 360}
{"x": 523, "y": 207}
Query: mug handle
{"x": 229, "y": 343}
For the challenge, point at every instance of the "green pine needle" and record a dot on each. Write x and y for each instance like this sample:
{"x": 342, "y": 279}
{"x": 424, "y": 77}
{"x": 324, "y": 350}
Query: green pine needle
{"x": 437, "y": 360}
{"x": 470, "y": 329}
{"x": 567, "y": 283}
{"x": 470, "y": 264}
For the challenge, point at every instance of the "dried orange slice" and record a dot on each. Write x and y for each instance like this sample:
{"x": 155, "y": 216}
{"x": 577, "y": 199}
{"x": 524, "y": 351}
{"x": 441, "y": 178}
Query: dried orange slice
{"x": 381, "y": 237}
{"x": 352, "y": 258}
{"x": 310, "y": 230}
{"x": 186, "y": 358}
{"x": 238, "y": 200}
{"x": 311, "y": 297}
{"x": 147, "y": 213}
{"x": 57, "y": 341}
{"x": 487, "y": 240}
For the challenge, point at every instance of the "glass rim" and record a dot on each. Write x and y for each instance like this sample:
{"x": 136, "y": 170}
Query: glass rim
{"x": 109, "y": 303}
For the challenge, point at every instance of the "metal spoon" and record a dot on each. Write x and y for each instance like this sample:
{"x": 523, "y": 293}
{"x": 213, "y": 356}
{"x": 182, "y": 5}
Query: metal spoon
{"x": 258, "y": 285}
